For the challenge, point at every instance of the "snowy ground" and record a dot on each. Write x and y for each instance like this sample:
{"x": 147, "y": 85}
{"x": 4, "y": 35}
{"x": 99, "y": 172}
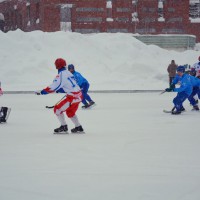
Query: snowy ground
{"x": 131, "y": 150}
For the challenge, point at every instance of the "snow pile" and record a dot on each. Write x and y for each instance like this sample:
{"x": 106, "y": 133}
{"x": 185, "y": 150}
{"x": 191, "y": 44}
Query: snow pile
{"x": 107, "y": 60}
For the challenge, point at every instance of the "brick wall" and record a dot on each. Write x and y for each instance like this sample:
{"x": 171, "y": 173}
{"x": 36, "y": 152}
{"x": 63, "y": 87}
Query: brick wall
{"x": 134, "y": 16}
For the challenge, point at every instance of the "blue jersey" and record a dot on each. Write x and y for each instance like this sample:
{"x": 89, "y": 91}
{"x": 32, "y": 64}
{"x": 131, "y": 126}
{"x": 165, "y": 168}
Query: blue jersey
{"x": 185, "y": 84}
{"x": 79, "y": 79}
{"x": 194, "y": 81}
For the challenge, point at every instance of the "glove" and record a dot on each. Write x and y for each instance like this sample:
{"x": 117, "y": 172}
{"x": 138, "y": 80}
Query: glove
{"x": 37, "y": 92}
{"x": 172, "y": 86}
{"x": 168, "y": 89}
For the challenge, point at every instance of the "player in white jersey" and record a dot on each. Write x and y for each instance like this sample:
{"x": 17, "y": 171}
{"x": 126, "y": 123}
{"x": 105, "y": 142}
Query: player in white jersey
{"x": 196, "y": 66}
{"x": 65, "y": 82}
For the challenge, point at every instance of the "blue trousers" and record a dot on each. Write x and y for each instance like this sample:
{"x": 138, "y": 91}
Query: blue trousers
{"x": 179, "y": 99}
{"x": 191, "y": 99}
{"x": 85, "y": 87}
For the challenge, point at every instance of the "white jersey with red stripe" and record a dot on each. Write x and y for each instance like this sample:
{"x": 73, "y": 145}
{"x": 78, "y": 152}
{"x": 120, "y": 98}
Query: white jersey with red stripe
{"x": 64, "y": 82}
{"x": 196, "y": 66}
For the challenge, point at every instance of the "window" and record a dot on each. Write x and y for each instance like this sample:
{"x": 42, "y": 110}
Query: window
{"x": 148, "y": 10}
{"x": 171, "y": 9}
{"x": 89, "y": 9}
{"x": 146, "y": 30}
{"x": 176, "y": 19}
{"x": 84, "y": 30}
{"x": 37, "y": 11}
{"x": 194, "y": 9}
{"x": 123, "y": 9}
{"x": 148, "y": 20}
{"x": 160, "y": 12}
{"x": 115, "y": 30}
{"x": 89, "y": 19}
{"x": 28, "y": 9}
{"x": 122, "y": 19}
{"x": 172, "y": 30}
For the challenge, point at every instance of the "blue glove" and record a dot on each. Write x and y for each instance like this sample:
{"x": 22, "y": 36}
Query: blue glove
{"x": 168, "y": 89}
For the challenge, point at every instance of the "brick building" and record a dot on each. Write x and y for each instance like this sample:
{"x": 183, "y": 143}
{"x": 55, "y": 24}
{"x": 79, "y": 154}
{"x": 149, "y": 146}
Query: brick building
{"x": 93, "y": 16}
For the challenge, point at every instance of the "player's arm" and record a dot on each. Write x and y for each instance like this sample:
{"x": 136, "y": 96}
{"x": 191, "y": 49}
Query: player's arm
{"x": 53, "y": 87}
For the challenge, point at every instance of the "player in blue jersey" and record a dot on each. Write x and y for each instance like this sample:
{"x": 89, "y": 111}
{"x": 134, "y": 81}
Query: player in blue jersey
{"x": 183, "y": 92}
{"x": 84, "y": 85}
{"x": 196, "y": 89}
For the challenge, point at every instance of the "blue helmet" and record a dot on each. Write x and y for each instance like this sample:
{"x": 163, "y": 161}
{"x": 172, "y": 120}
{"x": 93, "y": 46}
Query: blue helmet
{"x": 71, "y": 66}
{"x": 180, "y": 69}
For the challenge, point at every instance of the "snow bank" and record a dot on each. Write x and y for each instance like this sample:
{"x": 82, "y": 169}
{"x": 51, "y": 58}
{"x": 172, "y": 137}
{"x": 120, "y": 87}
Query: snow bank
{"x": 107, "y": 60}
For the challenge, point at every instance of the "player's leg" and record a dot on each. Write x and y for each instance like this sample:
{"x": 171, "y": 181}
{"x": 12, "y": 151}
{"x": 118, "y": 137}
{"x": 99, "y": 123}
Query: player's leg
{"x": 58, "y": 110}
{"x": 71, "y": 113}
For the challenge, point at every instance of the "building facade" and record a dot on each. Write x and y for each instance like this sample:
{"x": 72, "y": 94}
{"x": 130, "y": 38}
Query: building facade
{"x": 94, "y": 16}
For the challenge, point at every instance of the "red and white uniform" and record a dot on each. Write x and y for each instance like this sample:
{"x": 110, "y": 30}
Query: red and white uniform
{"x": 196, "y": 66}
{"x": 65, "y": 83}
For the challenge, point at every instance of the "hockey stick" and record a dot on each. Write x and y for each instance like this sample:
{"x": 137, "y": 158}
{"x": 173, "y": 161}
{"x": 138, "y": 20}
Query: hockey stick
{"x": 49, "y": 107}
{"x": 169, "y": 111}
{"x": 163, "y": 92}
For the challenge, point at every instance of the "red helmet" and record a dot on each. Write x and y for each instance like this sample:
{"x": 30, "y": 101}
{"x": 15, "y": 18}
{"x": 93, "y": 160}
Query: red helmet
{"x": 60, "y": 63}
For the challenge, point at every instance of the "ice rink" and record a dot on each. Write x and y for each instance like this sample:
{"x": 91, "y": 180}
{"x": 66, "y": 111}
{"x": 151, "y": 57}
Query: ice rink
{"x": 131, "y": 150}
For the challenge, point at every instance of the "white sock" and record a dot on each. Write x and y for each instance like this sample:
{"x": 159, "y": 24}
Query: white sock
{"x": 75, "y": 121}
{"x": 61, "y": 119}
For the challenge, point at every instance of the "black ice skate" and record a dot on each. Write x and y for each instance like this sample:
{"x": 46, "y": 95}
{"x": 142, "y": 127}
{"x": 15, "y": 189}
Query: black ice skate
{"x": 2, "y": 120}
{"x": 5, "y": 112}
{"x": 195, "y": 108}
{"x": 86, "y": 106}
{"x": 176, "y": 112}
{"x": 182, "y": 109}
{"x": 78, "y": 129}
{"x": 92, "y": 103}
{"x": 61, "y": 129}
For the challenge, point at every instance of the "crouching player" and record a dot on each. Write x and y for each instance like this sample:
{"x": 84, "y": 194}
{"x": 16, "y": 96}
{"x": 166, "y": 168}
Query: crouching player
{"x": 65, "y": 83}
{"x": 183, "y": 92}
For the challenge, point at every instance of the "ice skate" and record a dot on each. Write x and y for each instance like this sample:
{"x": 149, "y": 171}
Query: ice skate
{"x": 4, "y": 112}
{"x": 61, "y": 129}
{"x": 2, "y": 120}
{"x": 176, "y": 112}
{"x": 86, "y": 106}
{"x": 182, "y": 109}
{"x": 195, "y": 108}
{"x": 92, "y": 103}
{"x": 78, "y": 129}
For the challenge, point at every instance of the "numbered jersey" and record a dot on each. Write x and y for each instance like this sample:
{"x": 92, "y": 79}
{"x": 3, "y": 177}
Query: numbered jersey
{"x": 196, "y": 66}
{"x": 63, "y": 83}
